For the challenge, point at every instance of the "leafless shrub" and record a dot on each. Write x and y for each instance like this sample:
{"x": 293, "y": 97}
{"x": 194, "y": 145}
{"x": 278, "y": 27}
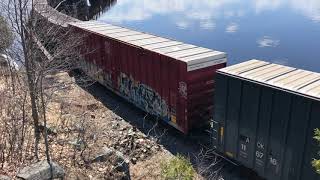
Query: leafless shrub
{"x": 209, "y": 164}
{"x": 43, "y": 46}
{"x": 15, "y": 126}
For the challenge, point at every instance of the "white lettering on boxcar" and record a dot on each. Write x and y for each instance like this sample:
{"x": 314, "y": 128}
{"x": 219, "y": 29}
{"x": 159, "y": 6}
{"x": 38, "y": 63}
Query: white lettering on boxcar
{"x": 273, "y": 161}
{"x": 260, "y": 145}
{"x": 244, "y": 147}
{"x": 259, "y": 154}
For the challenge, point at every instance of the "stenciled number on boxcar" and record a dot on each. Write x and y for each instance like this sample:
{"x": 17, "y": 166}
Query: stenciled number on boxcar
{"x": 259, "y": 153}
{"x": 244, "y": 142}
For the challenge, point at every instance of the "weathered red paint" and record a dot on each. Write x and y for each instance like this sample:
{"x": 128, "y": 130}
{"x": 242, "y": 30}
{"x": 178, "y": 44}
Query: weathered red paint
{"x": 182, "y": 98}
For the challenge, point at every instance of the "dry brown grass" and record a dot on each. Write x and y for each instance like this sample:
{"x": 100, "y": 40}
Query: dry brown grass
{"x": 79, "y": 126}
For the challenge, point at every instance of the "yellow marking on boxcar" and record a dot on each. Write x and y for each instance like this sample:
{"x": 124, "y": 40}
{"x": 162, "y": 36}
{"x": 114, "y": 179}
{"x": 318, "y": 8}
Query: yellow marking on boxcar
{"x": 221, "y": 132}
{"x": 174, "y": 119}
{"x": 229, "y": 154}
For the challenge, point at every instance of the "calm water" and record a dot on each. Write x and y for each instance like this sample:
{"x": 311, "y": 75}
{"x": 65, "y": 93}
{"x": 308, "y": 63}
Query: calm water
{"x": 281, "y": 31}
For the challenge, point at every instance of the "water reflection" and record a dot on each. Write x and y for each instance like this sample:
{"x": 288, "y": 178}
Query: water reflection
{"x": 308, "y": 8}
{"x": 267, "y": 41}
{"x": 208, "y": 25}
{"x": 206, "y": 11}
{"x": 232, "y": 28}
{"x": 283, "y": 31}
{"x": 86, "y": 9}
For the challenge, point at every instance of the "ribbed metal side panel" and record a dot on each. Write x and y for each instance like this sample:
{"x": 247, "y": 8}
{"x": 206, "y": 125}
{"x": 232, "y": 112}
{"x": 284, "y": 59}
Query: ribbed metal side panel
{"x": 264, "y": 127}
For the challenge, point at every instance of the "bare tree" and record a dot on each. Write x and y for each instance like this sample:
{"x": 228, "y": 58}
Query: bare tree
{"x": 44, "y": 45}
{"x": 6, "y": 37}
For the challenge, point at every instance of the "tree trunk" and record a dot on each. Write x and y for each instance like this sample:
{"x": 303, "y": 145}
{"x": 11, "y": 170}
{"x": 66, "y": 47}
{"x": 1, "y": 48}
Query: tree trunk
{"x": 31, "y": 79}
{"x": 45, "y": 134}
{"x": 34, "y": 109}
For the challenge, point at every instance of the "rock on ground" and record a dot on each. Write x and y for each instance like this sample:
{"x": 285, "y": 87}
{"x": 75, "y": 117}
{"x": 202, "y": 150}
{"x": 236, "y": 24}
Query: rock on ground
{"x": 2, "y": 177}
{"x": 116, "y": 159}
{"x": 41, "y": 171}
{"x": 103, "y": 155}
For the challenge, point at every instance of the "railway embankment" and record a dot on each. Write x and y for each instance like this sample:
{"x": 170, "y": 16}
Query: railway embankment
{"x": 43, "y": 8}
{"x": 86, "y": 122}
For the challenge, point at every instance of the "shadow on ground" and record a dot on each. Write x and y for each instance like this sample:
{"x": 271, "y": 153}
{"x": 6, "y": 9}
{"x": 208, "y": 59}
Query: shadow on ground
{"x": 173, "y": 140}
{"x": 170, "y": 138}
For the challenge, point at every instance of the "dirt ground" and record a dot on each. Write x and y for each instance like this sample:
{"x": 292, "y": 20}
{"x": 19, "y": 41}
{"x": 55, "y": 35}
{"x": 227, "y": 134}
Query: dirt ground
{"x": 86, "y": 120}
{"x": 106, "y": 123}
{"x": 83, "y": 121}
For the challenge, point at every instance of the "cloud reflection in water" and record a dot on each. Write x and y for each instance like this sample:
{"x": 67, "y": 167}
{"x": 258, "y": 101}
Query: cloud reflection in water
{"x": 204, "y": 13}
{"x": 267, "y": 41}
{"x": 232, "y": 28}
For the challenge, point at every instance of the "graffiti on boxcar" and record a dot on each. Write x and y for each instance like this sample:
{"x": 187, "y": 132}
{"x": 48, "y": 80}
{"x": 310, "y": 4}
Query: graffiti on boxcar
{"x": 143, "y": 96}
{"x": 107, "y": 80}
{"x": 183, "y": 89}
{"x": 98, "y": 74}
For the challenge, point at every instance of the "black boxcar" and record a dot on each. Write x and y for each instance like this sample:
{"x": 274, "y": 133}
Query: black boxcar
{"x": 265, "y": 116}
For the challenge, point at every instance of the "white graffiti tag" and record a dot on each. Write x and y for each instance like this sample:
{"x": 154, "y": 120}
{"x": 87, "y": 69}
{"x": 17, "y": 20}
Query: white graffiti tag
{"x": 183, "y": 89}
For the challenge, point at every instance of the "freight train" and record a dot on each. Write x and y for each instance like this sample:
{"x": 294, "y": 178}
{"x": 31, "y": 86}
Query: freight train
{"x": 263, "y": 114}
{"x": 166, "y": 78}
{"x": 264, "y": 118}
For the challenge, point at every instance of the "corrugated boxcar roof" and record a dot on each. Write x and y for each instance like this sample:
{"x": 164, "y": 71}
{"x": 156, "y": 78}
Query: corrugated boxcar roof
{"x": 177, "y": 50}
{"x": 283, "y": 77}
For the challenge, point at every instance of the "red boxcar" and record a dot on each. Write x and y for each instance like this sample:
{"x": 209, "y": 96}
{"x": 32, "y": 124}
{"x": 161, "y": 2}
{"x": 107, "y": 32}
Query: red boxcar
{"x": 166, "y": 78}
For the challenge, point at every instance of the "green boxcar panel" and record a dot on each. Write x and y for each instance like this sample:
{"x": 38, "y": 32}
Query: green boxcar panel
{"x": 220, "y": 112}
{"x": 308, "y": 173}
{"x": 264, "y": 117}
{"x": 296, "y": 138}
{"x": 278, "y": 131}
{"x": 232, "y": 119}
{"x": 248, "y": 123}
{"x": 272, "y": 114}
